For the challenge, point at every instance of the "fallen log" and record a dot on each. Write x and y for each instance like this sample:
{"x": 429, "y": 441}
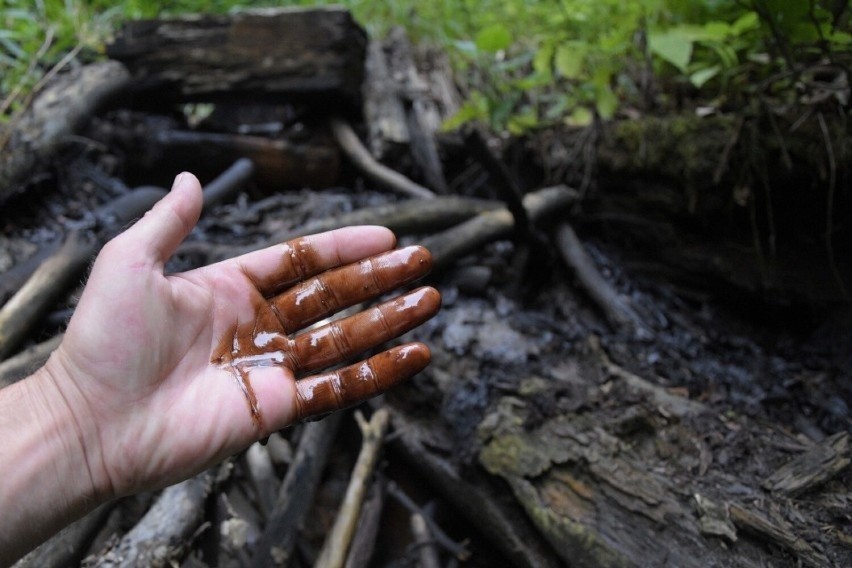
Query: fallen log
{"x": 56, "y": 113}
{"x": 278, "y": 163}
{"x": 164, "y": 534}
{"x": 315, "y": 55}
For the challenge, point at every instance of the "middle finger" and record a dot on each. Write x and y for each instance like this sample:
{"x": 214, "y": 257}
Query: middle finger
{"x": 336, "y": 289}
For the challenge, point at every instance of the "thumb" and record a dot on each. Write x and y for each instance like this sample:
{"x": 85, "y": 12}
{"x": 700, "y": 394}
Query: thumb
{"x": 159, "y": 232}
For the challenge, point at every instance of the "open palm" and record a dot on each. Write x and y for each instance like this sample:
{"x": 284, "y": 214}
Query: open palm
{"x": 176, "y": 372}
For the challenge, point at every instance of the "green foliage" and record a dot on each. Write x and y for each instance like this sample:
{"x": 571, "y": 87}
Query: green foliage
{"x": 522, "y": 63}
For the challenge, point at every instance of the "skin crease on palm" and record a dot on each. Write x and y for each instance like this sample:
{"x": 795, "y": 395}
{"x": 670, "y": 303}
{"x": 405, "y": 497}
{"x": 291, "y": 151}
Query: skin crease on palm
{"x": 161, "y": 376}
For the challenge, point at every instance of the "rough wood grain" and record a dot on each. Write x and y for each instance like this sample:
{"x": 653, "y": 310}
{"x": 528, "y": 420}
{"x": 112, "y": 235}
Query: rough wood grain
{"x": 299, "y": 53}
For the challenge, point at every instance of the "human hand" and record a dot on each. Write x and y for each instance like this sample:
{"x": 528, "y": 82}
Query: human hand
{"x": 167, "y": 374}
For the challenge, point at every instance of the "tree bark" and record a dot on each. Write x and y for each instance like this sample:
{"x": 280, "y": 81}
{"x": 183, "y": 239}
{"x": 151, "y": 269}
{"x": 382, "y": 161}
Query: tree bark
{"x": 308, "y": 54}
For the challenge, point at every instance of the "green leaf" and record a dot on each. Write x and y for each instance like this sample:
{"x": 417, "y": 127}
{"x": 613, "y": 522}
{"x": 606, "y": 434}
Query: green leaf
{"x": 700, "y": 77}
{"x": 747, "y": 22}
{"x": 493, "y": 38}
{"x": 569, "y": 59}
{"x": 543, "y": 60}
{"x": 523, "y": 121}
{"x": 581, "y": 116}
{"x": 673, "y": 46}
{"x": 716, "y": 30}
{"x": 606, "y": 103}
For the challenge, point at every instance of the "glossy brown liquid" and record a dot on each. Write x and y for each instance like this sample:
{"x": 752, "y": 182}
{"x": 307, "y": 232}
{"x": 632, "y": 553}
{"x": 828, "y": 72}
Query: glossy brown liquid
{"x": 267, "y": 339}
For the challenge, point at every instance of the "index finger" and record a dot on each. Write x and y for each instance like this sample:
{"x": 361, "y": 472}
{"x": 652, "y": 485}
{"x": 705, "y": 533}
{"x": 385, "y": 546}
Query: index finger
{"x": 275, "y": 268}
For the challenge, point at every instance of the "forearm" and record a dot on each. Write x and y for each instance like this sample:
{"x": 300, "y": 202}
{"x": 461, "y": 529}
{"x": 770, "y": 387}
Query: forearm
{"x": 45, "y": 481}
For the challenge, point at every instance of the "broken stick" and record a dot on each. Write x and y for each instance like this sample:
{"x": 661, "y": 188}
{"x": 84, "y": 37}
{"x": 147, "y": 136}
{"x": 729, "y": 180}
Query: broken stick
{"x": 472, "y": 235}
{"x": 618, "y": 312}
{"x": 364, "y": 161}
{"x": 337, "y": 543}
{"x": 296, "y": 495}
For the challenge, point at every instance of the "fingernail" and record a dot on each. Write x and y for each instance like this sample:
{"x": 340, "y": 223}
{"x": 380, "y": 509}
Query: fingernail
{"x": 178, "y": 179}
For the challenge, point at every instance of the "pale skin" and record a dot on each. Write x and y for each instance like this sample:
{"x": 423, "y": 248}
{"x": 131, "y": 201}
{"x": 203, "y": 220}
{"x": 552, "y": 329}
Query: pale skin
{"x": 130, "y": 400}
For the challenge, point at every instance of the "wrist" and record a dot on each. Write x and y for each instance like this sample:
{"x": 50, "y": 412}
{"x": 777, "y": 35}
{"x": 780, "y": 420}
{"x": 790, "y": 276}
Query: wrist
{"x": 47, "y": 477}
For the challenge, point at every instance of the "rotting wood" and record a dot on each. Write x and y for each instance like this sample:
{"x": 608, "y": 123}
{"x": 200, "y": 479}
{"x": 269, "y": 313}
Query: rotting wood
{"x": 402, "y": 115}
{"x": 421, "y": 113}
{"x": 314, "y": 54}
{"x": 380, "y": 174}
{"x": 277, "y": 543}
{"x": 506, "y": 187}
{"x": 776, "y": 533}
{"x": 278, "y": 163}
{"x": 337, "y": 542}
{"x": 56, "y": 113}
{"x": 163, "y": 535}
{"x": 666, "y": 403}
{"x": 814, "y": 467}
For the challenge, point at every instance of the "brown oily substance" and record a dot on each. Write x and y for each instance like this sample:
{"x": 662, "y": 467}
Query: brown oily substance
{"x": 268, "y": 339}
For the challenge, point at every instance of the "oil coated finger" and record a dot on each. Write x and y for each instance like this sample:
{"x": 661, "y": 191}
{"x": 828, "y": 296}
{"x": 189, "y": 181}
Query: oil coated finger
{"x": 275, "y": 268}
{"x": 348, "y": 337}
{"x": 321, "y": 394}
{"x": 331, "y": 291}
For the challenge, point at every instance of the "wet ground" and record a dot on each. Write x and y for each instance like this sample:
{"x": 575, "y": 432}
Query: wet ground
{"x": 506, "y": 325}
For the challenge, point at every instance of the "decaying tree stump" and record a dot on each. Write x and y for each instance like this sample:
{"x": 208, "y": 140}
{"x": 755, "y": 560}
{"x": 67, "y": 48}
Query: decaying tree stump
{"x": 272, "y": 53}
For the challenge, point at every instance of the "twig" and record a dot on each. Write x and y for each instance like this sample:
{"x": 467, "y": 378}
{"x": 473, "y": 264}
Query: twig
{"x": 458, "y": 550}
{"x": 829, "y": 206}
{"x": 262, "y": 474}
{"x": 508, "y": 531}
{"x": 619, "y": 314}
{"x": 23, "y": 311}
{"x": 278, "y": 541}
{"x": 425, "y": 543}
{"x": 337, "y": 543}
{"x": 227, "y": 184}
{"x": 361, "y": 158}
{"x": 472, "y": 235}
{"x": 364, "y": 541}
